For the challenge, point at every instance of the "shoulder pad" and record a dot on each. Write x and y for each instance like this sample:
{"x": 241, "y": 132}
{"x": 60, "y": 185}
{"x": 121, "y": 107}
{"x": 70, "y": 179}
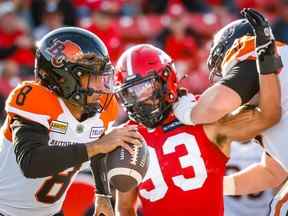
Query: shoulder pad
{"x": 34, "y": 102}
{"x": 242, "y": 49}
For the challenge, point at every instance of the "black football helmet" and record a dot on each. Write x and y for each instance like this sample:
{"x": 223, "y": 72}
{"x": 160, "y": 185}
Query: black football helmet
{"x": 146, "y": 84}
{"x": 222, "y": 41}
{"x": 65, "y": 55}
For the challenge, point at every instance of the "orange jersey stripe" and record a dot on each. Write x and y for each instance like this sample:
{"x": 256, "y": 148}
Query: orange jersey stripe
{"x": 242, "y": 47}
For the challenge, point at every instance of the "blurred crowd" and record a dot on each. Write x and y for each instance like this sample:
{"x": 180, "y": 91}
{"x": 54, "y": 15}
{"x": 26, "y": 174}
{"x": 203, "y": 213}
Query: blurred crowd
{"x": 183, "y": 28}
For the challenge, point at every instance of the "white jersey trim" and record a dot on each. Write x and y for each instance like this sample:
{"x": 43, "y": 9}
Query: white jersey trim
{"x": 125, "y": 171}
{"x": 42, "y": 119}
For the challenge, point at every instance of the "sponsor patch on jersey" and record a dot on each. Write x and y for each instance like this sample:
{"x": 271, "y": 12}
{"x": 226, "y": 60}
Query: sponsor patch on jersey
{"x": 171, "y": 125}
{"x": 96, "y": 132}
{"x": 59, "y": 127}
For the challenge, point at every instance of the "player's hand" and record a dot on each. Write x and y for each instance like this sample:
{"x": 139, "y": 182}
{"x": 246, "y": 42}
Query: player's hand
{"x": 125, "y": 137}
{"x": 183, "y": 108}
{"x": 103, "y": 206}
{"x": 260, "y": 25}
{"x": 267, "y": 61}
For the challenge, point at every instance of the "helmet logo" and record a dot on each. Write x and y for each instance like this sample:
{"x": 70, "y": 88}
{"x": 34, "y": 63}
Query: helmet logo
{"x": 228, "y": 32}
{"x": 64, "y": 51}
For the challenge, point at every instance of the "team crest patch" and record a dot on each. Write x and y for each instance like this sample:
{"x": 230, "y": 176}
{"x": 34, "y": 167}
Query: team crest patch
{"x": 96, "y": 132}
{"x": 59, "y": 127}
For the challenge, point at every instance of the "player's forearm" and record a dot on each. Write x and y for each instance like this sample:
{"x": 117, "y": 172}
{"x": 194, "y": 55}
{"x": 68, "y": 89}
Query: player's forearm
{"x": 255, "y": 178}
{"x": 270, "y": 100}
{"x": 36, "y": 158}
{"x": 243, "y": 124}
{"x": 248, "y": 124}
{"x": 269, "y": 112}
{"x": 251, "y": 180}
{"x": 50, "y": 160}
{"x": 98, "y": 166}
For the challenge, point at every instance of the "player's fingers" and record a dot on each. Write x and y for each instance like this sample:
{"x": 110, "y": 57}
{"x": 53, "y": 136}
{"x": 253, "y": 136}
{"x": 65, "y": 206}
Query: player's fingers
{"x": 247, "y": 14}
{"x": 257, "y": 16}
{"x": 135, "y": 135}
{"x": 132, "y": 140}
{"x": 132, "y": 127}
{"x": 128, "y": 148}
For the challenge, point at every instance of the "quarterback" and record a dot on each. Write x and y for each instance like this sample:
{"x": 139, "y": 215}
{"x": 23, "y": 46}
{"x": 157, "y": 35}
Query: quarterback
{"x": 56, "y": 123}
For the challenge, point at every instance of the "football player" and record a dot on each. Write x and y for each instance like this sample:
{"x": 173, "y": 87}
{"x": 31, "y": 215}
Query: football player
{"x": 56, "y": 123}
{"x": 232, "y": 57}
{"x": 187, "y": 163}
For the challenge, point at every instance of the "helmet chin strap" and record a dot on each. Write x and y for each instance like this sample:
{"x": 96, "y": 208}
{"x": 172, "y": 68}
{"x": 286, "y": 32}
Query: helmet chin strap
{"x": 90, "y": 91}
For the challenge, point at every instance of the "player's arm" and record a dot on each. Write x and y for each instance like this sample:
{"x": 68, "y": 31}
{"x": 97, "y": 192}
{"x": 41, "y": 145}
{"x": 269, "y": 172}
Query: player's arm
{"x": 255, "y": 178}
{"x": 38, "y": 159}
{"x": 103, "y": 194}
{"x": 126, "y": 203}
{"x": 221, "y": 98}
{"x": 35, "y": 157}
{"x": 228, "y": 94}
{"x": 247, "y": 123}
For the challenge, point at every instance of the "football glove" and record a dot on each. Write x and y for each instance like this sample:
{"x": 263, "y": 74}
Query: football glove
{"x": 267, "y": 61}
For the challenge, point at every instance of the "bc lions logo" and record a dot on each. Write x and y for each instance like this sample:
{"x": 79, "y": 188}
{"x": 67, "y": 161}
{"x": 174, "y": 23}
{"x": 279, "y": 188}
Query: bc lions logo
{"x": 64, "y": 51}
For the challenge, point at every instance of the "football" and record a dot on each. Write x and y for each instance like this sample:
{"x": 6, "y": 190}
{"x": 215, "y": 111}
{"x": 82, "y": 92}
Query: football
{"x": 126, "y": 171}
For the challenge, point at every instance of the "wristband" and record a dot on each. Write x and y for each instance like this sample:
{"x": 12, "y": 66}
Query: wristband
{"x": 268, "y": 64}
{"x": 267, "y": 61}
{"x": 229, "y": 187}
{"x": 103, "y": 195}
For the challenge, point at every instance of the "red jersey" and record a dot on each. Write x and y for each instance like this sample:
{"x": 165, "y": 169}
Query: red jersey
{"x": 185, "y": 174}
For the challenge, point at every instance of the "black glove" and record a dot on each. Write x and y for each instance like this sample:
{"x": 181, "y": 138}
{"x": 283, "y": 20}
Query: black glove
{"x": 267, "y": 60}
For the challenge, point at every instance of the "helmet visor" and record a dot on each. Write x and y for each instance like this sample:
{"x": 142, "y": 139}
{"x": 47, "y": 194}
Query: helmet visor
{"x": 138, "y": 92}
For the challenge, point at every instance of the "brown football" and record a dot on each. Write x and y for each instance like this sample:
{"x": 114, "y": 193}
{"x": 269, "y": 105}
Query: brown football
{"x": 126, "y": 171}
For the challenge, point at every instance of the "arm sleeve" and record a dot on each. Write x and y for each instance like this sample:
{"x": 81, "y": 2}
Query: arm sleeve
{"x": 35, "y": 157}
{"x": 99, "y": 170}
{"x": 243, "y": 79}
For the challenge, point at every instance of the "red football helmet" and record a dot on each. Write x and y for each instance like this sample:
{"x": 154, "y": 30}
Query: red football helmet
{"x": 146, "y": 83}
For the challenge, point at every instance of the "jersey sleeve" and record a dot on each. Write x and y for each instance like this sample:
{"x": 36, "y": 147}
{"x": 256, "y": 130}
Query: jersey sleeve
{"x": 35, "y": 157}
{"x": 243, "y": 74}
{"x": 33, "y": 102}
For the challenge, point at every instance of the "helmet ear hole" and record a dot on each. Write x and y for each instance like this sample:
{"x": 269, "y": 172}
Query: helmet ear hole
{"x": 171, "y": 96}
{"x": 166, "y": 72}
